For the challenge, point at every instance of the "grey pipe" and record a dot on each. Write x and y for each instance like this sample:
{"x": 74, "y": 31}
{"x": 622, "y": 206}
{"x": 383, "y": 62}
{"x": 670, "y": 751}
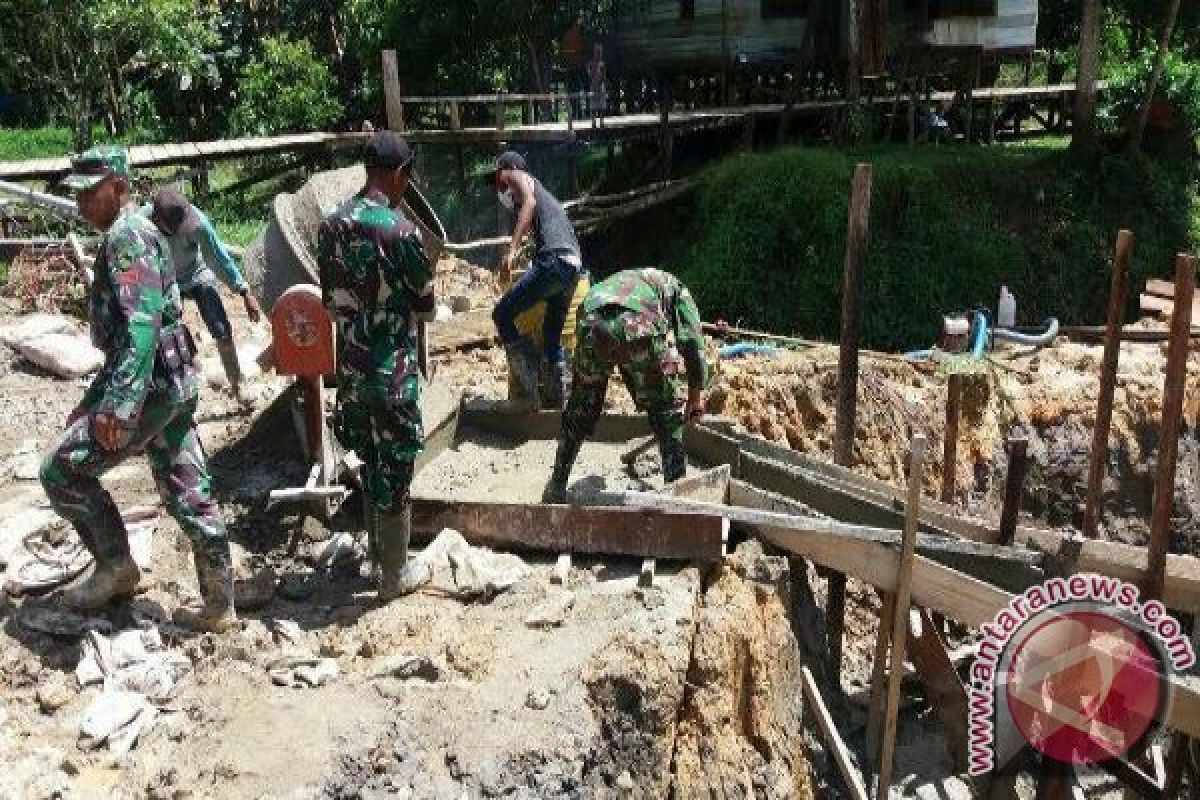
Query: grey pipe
{"x": 62, "y": 205}
{"x": 1029, "y": 339}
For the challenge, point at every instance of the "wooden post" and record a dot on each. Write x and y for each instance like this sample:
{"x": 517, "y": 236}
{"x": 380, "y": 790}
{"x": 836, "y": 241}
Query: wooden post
{"x": 500, "y": 112}
{"x": 391, "y": 91}
{"x": 666, "y": 140}
{"x": 1018, "y": 449}
{"x": 856, "y": 251}
{"x": 1108, "y": 382}
{"x": 847, "y": 401}
{"x": 950, "y": 445}
{"x": 455, "y": 116}
{"x": 912, "y": 513}
{"x": 1172, "y": 412}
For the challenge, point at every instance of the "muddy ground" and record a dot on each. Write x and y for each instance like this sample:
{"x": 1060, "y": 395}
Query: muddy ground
{"x": 595, "y": 689}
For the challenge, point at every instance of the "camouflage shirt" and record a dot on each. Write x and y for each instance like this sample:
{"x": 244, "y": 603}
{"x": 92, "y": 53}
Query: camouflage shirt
{"x": 133, "y": 296}
{"x": 374, "y": 277}
{"x": 660, "y": 305}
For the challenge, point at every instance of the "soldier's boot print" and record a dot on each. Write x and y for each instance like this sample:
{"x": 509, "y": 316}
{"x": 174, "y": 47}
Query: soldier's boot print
{"x": 556, "y": 385}
{"x": 216, "y": 613}
{"x": 568, "y": 450}
{"x": 115, "y": 575}
{"x": 523, "y": 376}
{"x": 229, "y": 362}
{"x": 397, "y": 575}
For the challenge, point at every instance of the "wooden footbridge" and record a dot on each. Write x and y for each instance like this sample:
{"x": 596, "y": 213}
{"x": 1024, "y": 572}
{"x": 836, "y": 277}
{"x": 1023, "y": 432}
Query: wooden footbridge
{"x": 974, "y": 115}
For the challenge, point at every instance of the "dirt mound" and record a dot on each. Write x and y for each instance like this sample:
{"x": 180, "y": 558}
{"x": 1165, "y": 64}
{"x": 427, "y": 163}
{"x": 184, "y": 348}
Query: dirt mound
{"x": 1047, "y": 396}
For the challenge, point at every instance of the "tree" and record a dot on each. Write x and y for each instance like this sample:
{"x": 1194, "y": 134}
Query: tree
{"x": 286, "y": 88}
{"x": 87, "y": 59}
{"x": 1084, "y": 137}
{"x": 1160, "y": 60}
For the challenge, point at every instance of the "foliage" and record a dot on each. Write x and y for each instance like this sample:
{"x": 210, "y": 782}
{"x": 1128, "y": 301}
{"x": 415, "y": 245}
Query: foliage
{"x": 285, "y": 89}
{"x": 763, "y": 243}
{"x": 1180, "y": 84}
{"x": 79, "y": 61}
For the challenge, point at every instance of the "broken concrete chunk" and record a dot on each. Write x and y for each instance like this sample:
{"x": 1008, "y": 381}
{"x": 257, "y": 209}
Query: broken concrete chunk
{"x": 33, "y": 326}
{"x": 408, "y": 666}
{"x": 116, "y": 718}
{"x": 552, "y": 612}
{"x": 302, "y": 671}
{"x": 65, "y": 355}
{"x": 538, "y": 699}
{"x": 54, "y": 694}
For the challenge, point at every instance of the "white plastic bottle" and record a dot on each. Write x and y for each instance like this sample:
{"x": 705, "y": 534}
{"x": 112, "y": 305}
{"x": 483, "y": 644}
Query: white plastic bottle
{"x": 1006, "y": 313}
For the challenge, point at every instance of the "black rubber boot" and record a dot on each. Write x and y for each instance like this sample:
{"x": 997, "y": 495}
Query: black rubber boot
{"x": 674, "y": 459}
{"x": 564, "y": 460}
{"x": 556, "y": 383}
{"x": 216, "y": 613}
{"x": 397, "y": 575}
{"x": 114, "y": 574}
{"x": 523, "y": 376}
{"x": 227, "y": 350}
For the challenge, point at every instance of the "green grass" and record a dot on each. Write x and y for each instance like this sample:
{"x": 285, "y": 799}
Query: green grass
{"x": 762, "y": 242}
{"x": 17, "y": 144}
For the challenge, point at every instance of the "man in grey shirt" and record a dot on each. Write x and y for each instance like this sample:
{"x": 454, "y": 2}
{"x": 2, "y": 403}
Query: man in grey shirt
{"x": 199, "y": 256}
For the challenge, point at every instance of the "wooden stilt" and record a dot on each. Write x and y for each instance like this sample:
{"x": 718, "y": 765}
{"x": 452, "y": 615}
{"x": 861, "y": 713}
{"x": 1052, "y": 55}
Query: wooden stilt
{"x": 391, "y": 91}
{"x": 916, "y": 464}
{"x": 1018, "y": 448}
{"x": 1108, "y": 382}
{"x": 1172, "y": 414}
{"x": 847, "y": 400}
{"x": 950, "y": 443}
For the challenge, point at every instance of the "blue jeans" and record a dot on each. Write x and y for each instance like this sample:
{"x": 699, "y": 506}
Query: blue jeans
{"x": 212, "y": 310}
{"x": 549, "y": 278}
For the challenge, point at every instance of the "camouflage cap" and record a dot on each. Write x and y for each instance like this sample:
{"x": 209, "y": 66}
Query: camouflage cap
{"x": 92, "y": 166}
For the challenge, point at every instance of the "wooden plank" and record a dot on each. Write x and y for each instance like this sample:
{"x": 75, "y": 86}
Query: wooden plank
{"x": 712, "y": 447}
{"x": 883, "y": 637}
{"x": 904, "y": 577}
{"x": 1075, "y": 555}
{"x": 1155, "y": 286}
{"x": 576, "y": 529}
{"x": 833, "y": 740}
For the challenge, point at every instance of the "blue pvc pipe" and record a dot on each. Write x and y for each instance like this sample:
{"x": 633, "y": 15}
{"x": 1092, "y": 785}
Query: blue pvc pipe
{"x": 740, "y": 349}
{"x": 979, "y": 338}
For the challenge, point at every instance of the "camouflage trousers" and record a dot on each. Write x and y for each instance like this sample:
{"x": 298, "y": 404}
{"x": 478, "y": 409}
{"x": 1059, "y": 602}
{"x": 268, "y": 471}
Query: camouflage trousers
{"x": 650, "y": 366}
{"x": 166, "y": 433}
{"x": 381, "y": 423}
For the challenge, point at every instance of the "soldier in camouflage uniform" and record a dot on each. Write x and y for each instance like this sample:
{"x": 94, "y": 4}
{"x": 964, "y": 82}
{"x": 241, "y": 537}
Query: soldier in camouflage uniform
{"x": 143, "y": 399}
{"x": 376, "y": 279}
{"x": 629, "y": 321}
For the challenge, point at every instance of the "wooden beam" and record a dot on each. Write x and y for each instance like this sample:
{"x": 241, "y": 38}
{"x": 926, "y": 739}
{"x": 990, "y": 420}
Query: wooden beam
{"x": 833, "y": 740}
{"x": 904, "y": 576}
{"x": 576, "y": 529}
{"x": 854, "y": 493}
{"x": 1098, "y": 457}
{"x": 1154, "y": 583}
